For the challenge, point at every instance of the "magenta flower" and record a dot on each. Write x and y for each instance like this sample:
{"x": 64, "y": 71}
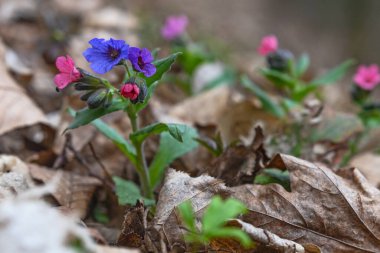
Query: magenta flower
{"x": 367, "y": 77}
{"x": 130, "y": 90}
{"x": 174, "y": 27}
{"x": 68, "y": 72}
{"x": 268, "y": 44}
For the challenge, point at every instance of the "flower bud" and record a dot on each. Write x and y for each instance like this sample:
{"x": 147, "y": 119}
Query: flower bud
{"x": 97, "y": 98}
{"x": 90, "y": 79}
{"x": 279, "y": 60}
{"x": 140, "y": 98}
{"x": 130, "y": 90}
{"x": 108, "y": 100}
{"x": 86, "y": 86}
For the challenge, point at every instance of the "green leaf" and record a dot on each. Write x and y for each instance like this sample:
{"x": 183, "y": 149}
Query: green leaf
{"x": 162, "y": 66}
{"x": 128, "y": 192}
{"x": 274, "y": 176}
{"x": 280, "y": 79}
{"x": 231, "y": 232}
{"x": 127, "y": 148}
{"x": 334, "y": 75}
{"x": 100, "y": 216}
{"x": 86, "y": 115}
{"x": 213, "y": 218}
{"x": 187, "y": 214}
{"x": 302, "y": 91}
{"x": 268, "y": 104}
{"x": 302, "y": 65}
{"x": 157, "y": 128}
{"x": 169, "y": 150}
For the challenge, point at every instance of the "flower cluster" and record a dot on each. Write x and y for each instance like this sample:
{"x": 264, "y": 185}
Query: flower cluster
{"x": 367, "y": 78}
{"x": 103, "y": 55}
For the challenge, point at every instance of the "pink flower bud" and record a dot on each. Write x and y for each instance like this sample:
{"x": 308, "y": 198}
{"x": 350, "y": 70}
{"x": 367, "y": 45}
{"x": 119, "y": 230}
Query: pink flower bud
{"x": 130, "y": 90}
{"x": 268, "y": 44}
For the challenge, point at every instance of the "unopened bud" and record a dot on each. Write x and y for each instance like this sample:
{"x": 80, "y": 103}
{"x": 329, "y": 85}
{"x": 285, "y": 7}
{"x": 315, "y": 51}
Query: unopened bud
{"x": 279, "y": 60}
{"x": 97, "y": 98}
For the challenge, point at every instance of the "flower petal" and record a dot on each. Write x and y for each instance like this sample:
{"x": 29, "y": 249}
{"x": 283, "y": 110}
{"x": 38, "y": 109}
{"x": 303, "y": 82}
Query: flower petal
{"x": 62, "y": 80}
{"x": 64, "y": 64}
{"x": 146, "y": 55}
{"x": 149, "y": 70}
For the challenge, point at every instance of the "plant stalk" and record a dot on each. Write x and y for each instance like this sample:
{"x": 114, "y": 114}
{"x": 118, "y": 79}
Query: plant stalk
{"x": 142, "y": 168}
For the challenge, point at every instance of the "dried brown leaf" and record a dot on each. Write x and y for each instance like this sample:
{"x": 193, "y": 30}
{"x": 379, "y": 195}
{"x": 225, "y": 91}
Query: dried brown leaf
{"x": 14, "y": 102}
{"x": 108, "y": 249}
{"x": 240, "y": 164}
{"x": 337, "y": 214}
{"x": 133, "y": 230}
{"x": 14, "y": 176}
{"x": 369, "y": 165}
{"x": 73, "y": 191}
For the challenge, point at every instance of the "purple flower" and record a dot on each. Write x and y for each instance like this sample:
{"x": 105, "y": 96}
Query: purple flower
{"x": 174, "y": 27}
{"x": 104, "y": 54}
{"x": 141, "y": 60}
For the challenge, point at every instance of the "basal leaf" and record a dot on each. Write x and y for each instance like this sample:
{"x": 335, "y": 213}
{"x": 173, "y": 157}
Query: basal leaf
{"x": 334, "y": 75}
{"x": 169, "y": 150}
{"x": 302, "y": 65}
{"x": 267, "y": 103}
{"x": 128, "y": 192}
{"x": 278, "y": 78}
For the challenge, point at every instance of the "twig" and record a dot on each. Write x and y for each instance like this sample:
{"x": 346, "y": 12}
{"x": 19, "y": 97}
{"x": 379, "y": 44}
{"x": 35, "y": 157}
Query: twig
{"x": 269, "y": 239}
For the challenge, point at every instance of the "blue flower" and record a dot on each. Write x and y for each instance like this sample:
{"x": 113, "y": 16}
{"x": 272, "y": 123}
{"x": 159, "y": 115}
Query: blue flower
{"x": 141, "y": 60}
{"x": 104, "y": 54}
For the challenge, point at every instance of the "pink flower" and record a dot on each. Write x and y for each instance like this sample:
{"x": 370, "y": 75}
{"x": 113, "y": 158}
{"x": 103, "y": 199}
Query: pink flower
{"x": 268, "y": 44}
{"x": 367, "y": 77}
{"x": 174, "y": 27}
{"x": 130, "y": 90}
{"x": 68, "y": 72}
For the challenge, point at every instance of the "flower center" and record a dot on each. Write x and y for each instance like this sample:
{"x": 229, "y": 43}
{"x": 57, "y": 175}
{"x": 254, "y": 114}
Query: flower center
{"x": 113, "y": 53}
{"x": 140, "y": 62}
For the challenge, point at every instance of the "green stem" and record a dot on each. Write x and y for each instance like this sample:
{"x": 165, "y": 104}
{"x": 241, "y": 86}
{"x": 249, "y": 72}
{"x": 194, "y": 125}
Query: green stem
{"x": 142, "y": 168}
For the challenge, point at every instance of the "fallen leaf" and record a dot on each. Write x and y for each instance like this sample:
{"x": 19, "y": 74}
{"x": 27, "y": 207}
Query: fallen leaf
{"x": 73, "y": 191}
{"x": 337, "y": 214}
{"x": 14, "y": 176}
{"x": 14, "y": 102}
{"x": 239, "y": 164}
{"x": 133, "y": 229}
{"x": 369, "y": 165}
{"x": 179, "y": 187}
{"x": 108, "y": 249}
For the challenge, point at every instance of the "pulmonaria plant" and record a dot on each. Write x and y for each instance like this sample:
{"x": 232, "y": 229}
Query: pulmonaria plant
{"x": 366, "y": 79}
{"x": 142, "y": 75}
{"x": 286, "y": 73}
